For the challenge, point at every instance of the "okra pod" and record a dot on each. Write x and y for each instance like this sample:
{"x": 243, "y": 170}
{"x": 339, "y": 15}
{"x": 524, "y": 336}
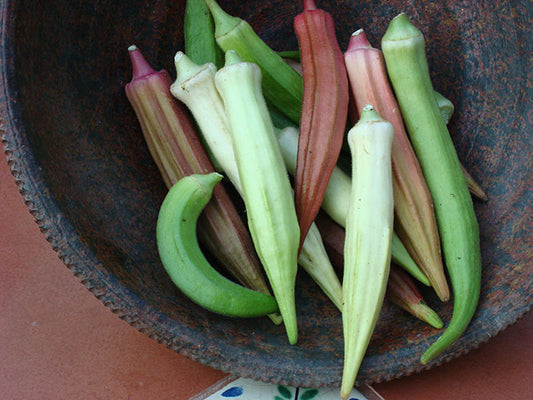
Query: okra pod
{"x": 266, "y": 189}
{"x": 186, "y": 264}
{"x": 177, "y": 151}
{"x": 415, "y": 221}
{"x": 282, "y": 85}
{"x": 367, "y": 248}
{"x": 324, "y": 110}
{"x": 404, "y": 49}
{"x": 195, "y": 87}
{"x": 199, "y": 34}
{"x": 337, "y": 199}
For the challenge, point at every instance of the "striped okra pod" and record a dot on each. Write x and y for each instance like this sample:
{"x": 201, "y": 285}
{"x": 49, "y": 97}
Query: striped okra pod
{"x": 324, "y": 109}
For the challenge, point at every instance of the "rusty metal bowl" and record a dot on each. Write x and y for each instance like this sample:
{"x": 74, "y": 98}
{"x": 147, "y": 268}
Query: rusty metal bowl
{"x": 77, "y": 153}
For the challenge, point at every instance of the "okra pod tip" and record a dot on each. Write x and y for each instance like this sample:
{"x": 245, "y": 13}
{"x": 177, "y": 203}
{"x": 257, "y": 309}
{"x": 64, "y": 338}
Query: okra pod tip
{"x": 401, "y": 29}
{"x": 140, "y": 67}
{"x": 358, "y": 40}
{"x": 224, "y": 22}
{"x": 185, "y": 67}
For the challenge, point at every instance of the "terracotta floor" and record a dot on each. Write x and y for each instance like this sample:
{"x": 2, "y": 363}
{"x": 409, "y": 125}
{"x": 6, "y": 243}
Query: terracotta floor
{"x": 59, "y": 342}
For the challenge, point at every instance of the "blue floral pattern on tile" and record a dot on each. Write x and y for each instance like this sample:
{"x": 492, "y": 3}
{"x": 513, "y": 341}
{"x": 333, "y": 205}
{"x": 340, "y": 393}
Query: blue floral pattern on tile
{"x": 232, "y": 392}
{"x": 247, "y": 389}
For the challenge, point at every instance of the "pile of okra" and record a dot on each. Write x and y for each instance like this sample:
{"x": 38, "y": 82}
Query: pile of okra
{"x": 344, "y": 164}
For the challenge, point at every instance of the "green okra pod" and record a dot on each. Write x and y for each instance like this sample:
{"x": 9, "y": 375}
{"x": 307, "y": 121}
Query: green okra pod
{"x": 266, "y": 188}
{"x": 282, "y": 85}
{"x": 404, "y": 50}
{"x": 184, "y": 261}
{"x": 199, "y": 34}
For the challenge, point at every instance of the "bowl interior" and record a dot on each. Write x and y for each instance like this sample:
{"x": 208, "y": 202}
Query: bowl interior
{"x": 80, "y": 157}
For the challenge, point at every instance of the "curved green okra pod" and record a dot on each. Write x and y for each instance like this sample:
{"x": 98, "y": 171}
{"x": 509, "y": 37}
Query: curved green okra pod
{"x": 195, "y": 87}
{"x": 337, "y": 198}
{"x": 367, "y": 248}
{"x": 266, "y": 189}
{"x": 404, "y": 50}
{"x": 184, "y": 262}
{"x": 282, "y": 85}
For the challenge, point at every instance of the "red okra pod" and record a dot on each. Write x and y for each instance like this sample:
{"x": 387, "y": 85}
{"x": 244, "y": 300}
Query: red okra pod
{"x": 324, "y": 110}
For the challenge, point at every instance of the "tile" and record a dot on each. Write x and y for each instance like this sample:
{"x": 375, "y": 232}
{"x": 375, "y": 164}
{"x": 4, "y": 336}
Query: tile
{"x": 247, "y": 389}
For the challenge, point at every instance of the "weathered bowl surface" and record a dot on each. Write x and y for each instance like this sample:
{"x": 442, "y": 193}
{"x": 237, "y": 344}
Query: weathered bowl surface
{"x": 78, "y": 155}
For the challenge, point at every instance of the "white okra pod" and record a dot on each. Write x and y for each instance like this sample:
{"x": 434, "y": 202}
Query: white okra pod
{"x": 266, "y": 188}
{"x": 367, "y": 250}
{"x": 195, "y": 87}
{"x": 337, "y": 199}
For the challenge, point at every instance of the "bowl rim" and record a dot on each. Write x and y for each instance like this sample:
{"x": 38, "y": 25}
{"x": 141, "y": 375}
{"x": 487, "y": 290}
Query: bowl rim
{"x": 63, "y": 239}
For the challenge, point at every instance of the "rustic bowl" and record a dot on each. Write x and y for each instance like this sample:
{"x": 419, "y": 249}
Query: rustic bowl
{"x": 78, "y": 155}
